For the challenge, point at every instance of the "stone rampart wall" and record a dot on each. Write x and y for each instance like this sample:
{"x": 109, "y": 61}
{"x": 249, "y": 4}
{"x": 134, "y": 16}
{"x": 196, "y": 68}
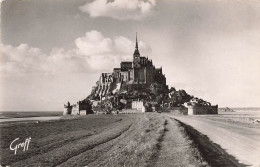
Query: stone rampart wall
{"x": 200, "y": 110}
{"x": 179, "y": 110}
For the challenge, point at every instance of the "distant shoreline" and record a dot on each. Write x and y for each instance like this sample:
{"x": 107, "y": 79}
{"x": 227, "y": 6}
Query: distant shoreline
{"x": 29, "y": 119}
{"x": 25, "y": 114}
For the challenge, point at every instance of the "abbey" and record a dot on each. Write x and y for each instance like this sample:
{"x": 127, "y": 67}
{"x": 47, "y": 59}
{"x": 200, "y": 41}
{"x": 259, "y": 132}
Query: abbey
{"x": 139, "y": 74}
{"x": 140, "y": 71}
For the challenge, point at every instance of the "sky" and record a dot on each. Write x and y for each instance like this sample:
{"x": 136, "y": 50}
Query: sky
{"x": 53, "y": 51}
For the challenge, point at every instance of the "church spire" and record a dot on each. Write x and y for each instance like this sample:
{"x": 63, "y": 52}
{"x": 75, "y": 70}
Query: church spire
{"x": 136, "y": 53}
{"x": 136, "y": 43}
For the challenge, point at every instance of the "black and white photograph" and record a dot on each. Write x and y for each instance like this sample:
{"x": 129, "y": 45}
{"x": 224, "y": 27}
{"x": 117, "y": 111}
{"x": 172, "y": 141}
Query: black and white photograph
{"x": 130, "y": 83}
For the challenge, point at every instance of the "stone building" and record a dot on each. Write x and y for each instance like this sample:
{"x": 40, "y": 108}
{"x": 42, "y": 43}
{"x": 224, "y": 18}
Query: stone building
{"x": 139, "y": 74}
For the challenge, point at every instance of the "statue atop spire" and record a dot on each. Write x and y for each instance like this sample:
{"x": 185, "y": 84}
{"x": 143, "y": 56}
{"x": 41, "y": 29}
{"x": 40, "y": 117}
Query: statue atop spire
{"x": 136, "y": 53}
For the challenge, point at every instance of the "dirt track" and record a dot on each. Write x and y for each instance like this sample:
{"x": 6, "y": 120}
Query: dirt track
{"x": 241, "y": 142}
{"x": 177, "y": 148}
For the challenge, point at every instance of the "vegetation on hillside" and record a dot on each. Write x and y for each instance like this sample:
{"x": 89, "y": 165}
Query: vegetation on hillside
{"x": 165, "y": 98}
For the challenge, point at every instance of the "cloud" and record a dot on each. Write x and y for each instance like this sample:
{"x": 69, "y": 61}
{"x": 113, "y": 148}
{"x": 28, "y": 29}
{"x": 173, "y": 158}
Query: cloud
{"x": 93, "y": 43}
{"x": 25, "y": 60}
{"x": 102, "y": 53}
{"x": 21, "y": 59}
{"x": 92, "y": 52}
{"x": 119, "y": 9}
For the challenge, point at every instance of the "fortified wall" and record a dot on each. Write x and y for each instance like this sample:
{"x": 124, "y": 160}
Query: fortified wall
{"x": 178, "y": 110}
{"x": 200, "y": 110}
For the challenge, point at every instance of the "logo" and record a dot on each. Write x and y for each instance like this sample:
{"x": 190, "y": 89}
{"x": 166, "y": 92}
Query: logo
{"x": 15, "y": 145}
